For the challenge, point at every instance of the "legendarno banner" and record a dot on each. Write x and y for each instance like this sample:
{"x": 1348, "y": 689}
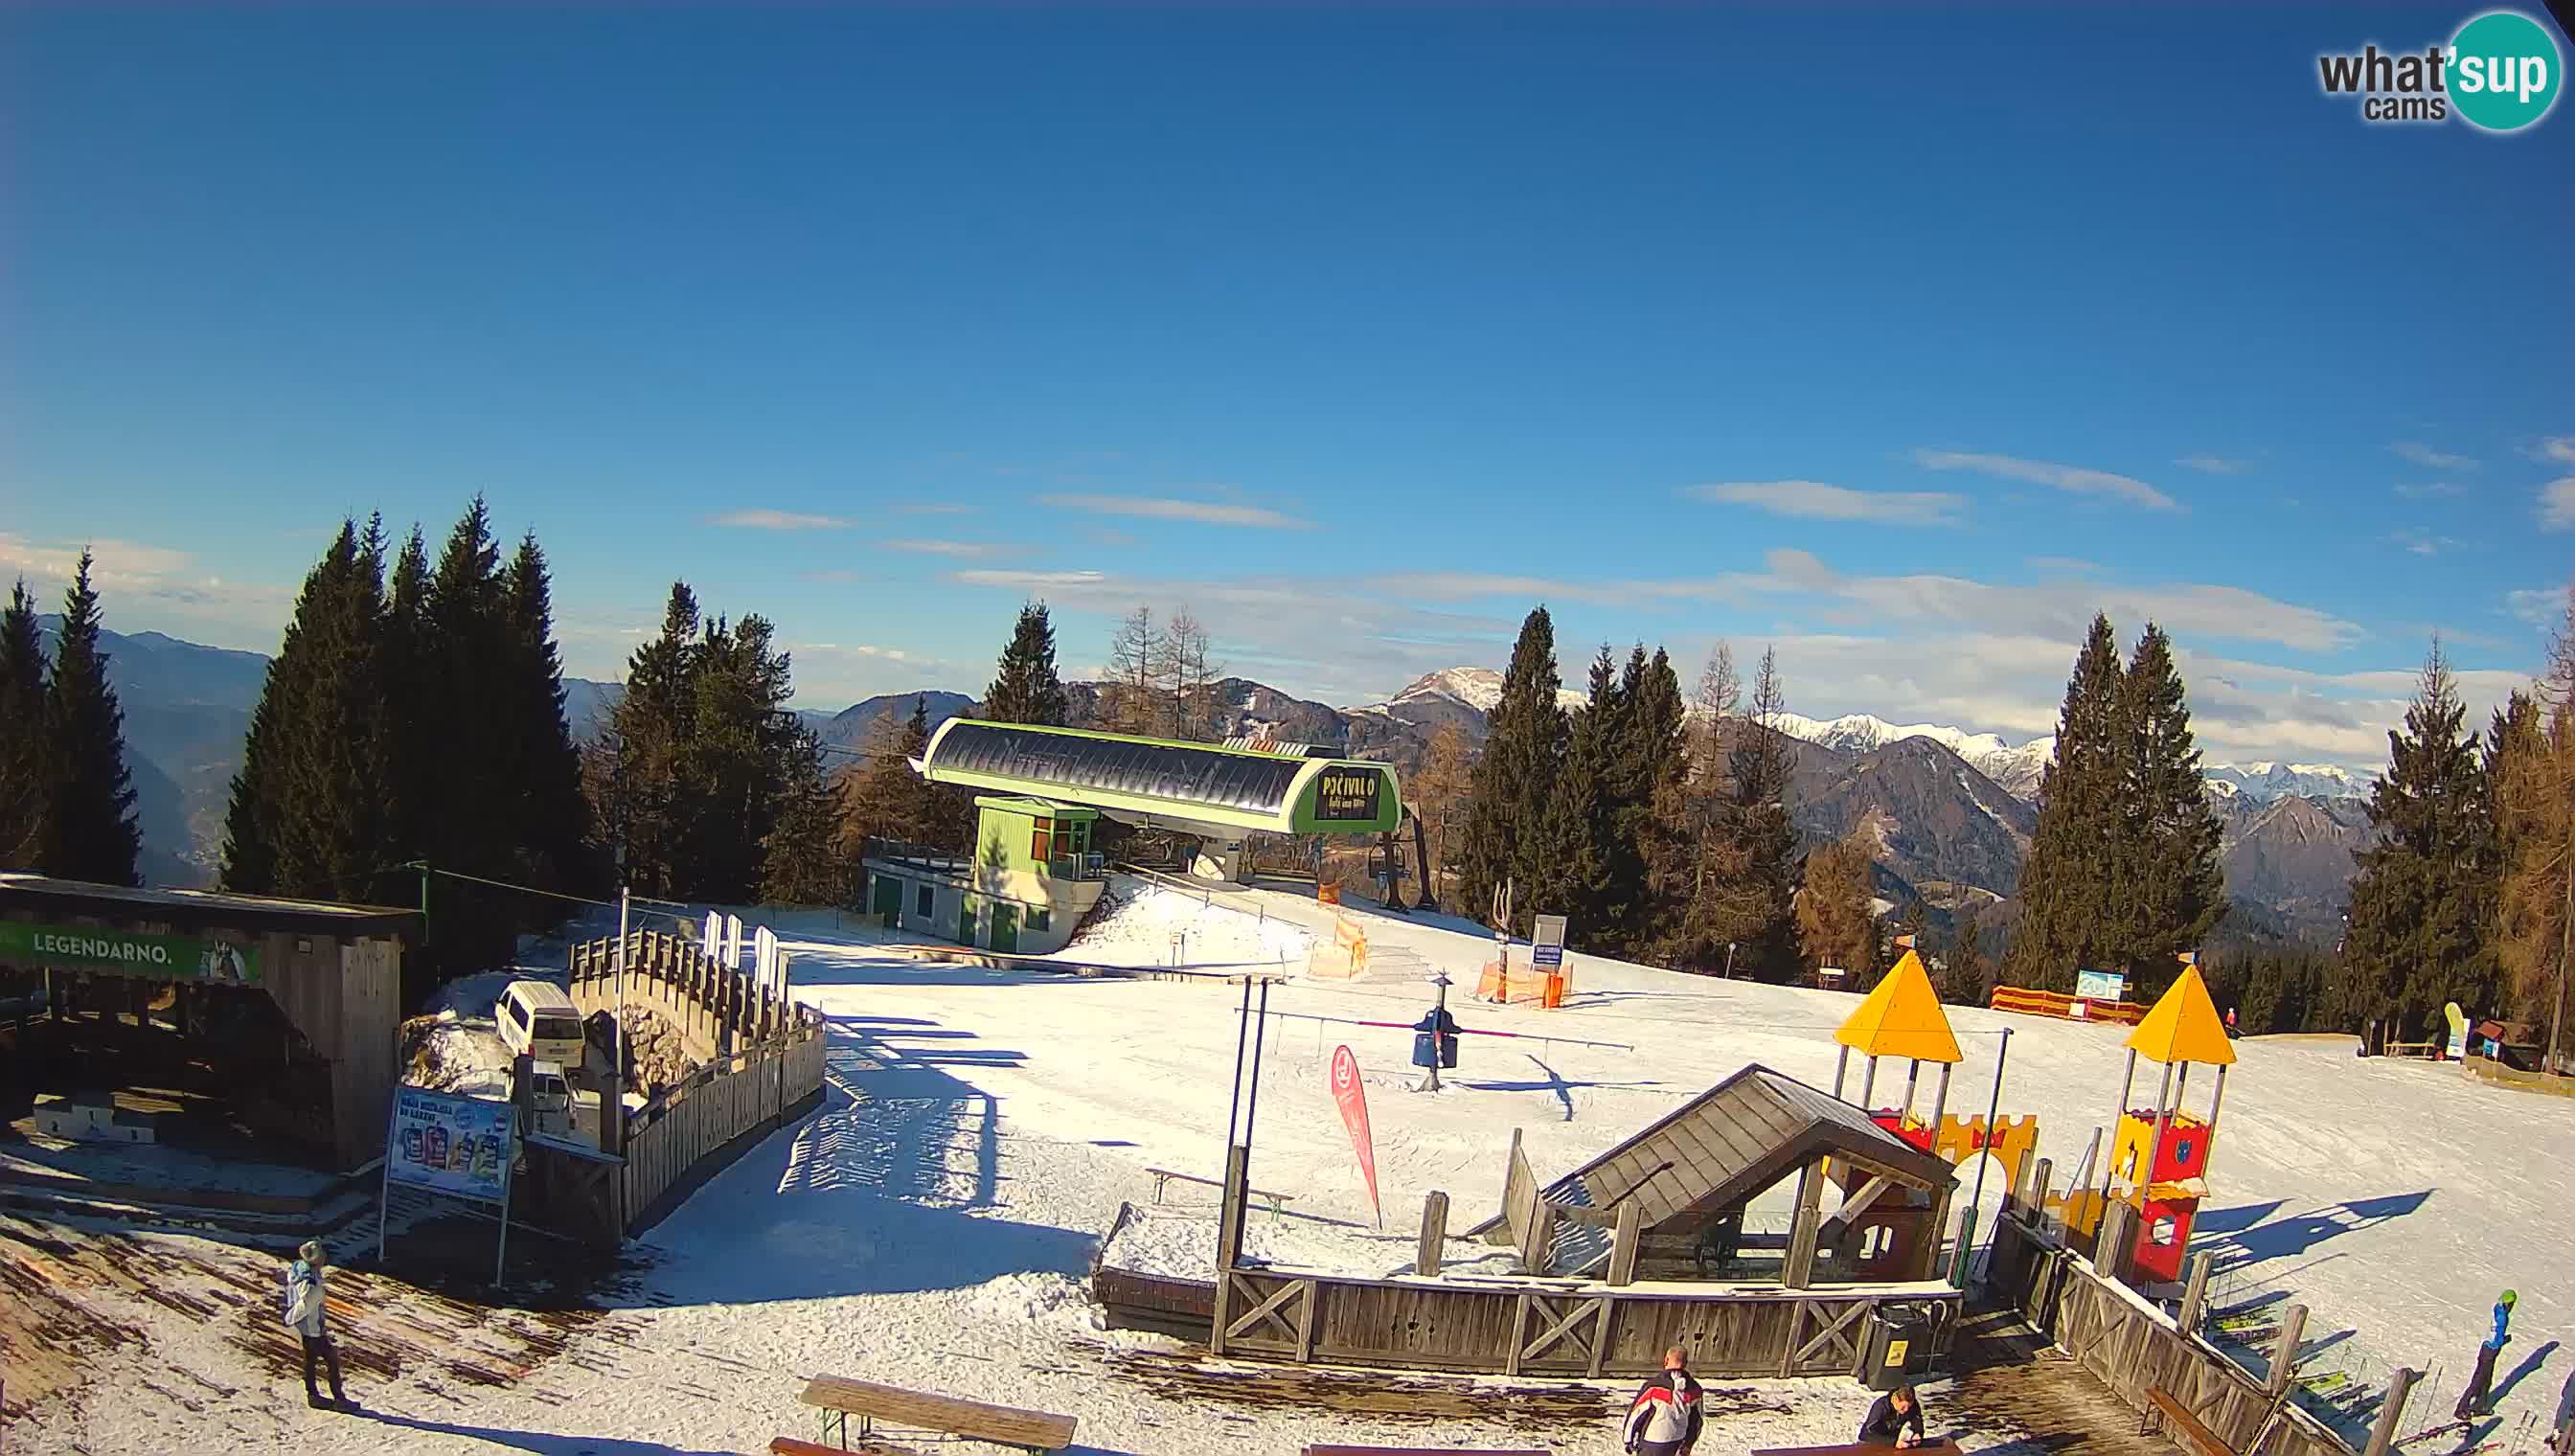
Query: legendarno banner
{"x": 127, "y": 952}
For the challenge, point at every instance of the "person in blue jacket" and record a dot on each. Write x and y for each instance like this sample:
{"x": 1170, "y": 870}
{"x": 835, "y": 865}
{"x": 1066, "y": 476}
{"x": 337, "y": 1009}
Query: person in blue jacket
{"x": 2475, "y": 1400}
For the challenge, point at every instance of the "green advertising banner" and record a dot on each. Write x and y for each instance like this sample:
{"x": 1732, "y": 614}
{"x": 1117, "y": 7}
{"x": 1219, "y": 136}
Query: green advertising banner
{"x": 128, "y": 952}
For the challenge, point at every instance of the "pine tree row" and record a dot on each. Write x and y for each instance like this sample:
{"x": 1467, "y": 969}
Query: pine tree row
{"x": 66, "y": 798}
{"x": 1655, "y": 840}
{"x": 416, "y": 717}
{"x": 2123, "y": 873}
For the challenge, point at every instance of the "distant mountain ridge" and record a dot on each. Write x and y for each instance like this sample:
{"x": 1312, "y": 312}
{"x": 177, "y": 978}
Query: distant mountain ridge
{"x": 1949, "y": 813}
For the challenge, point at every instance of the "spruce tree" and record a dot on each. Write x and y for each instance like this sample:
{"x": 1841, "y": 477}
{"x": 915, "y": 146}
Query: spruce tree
{"x": 643, "y": 806}
{"x": 2074, "y": 854}
{"x": 26, "y": 774}
{"x": 412, "y": 707}
{"x": 552, "y": 819}
{"x": 1025, "y": 688}
{"x": 801, "y": 863}
{"x": 1650, "y": 765}
{"x": 1965, "y": 980}
{"x": 2423, "y": 901}
{"x": 92, "y": 799}
{"x": 308, "y": 811}
{"x": 733, "y": 763}
{"x": 1513, "y": 781}
{"x": 1759, "y": 839}
{"x": 948, "y": 812}
{"x": 1836, "y": 926}
{"x": 1579, "y": 817}
{"x": 2167, "y": 891}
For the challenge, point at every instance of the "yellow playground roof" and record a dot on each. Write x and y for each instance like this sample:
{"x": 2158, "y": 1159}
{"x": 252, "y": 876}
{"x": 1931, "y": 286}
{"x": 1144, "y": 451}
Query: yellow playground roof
{"x": 1901, "y": 1018}
{"x": 2183, "y": 1026}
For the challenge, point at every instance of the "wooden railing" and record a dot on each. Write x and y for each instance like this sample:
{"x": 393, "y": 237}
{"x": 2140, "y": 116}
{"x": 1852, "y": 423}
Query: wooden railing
{"x": 715, "y": 1006}
{"x": 712, "y": 1116}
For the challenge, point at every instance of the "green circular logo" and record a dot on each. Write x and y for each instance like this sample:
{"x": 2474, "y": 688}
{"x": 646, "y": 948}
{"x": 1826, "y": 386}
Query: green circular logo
{"x": 2505, "y": 72}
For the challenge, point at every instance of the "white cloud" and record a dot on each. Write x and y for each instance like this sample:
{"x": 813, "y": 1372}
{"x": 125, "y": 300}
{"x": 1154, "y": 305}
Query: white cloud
{"x": 944, "y": 547}
{"x": 165, "y": 581}
{"x": 2421, "y": 454}
{"x": 1816, "y": 501}
{"x": 2538, "y": 606}
{"x": 766, "y": 519}
{"x": 2421, "y": 542}
{"x": 2557, "y": 504}
{"x": 2214, "y": 465}
{"x": 1163, "y": 508}
{"x": 2428, "y": 490}
{"x": 2074, "y": 480}
{"x": 2557, "y": 447}
{"x": 1032, "y": 580}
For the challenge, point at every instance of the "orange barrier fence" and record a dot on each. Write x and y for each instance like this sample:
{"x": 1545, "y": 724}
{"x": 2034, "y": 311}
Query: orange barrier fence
{"x": 1525, "y": 987}
{"x": 1345, "y": 958}
{"x": 2065, "y": 1007}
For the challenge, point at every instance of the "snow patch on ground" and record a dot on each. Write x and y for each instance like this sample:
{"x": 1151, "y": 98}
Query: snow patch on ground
{"x": 1138, "y": 930}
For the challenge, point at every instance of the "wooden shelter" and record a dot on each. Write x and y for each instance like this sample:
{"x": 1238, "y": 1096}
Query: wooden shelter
{"x": 1688, "y": 1177}
{"x": 333, "y": 970}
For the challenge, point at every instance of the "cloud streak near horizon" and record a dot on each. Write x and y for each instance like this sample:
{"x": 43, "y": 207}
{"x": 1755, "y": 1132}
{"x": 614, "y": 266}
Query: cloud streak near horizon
{"x": 1817, "y": 500}
{"x": 2071, "y": 478}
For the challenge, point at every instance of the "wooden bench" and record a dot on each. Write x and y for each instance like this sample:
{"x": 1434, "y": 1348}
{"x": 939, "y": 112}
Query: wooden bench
{"x": 919, "y": 1410}
{"x": 2162, "y": 1402}
{"x": 789, "y": 1446}
{"x": 1164, "y": 1177}
{"x": 1423, "y": 1451}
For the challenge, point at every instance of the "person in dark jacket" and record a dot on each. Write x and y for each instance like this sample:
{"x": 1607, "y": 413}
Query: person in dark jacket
{"x": 1665, "y": 1419}
{"x": 1894, "y": 1419}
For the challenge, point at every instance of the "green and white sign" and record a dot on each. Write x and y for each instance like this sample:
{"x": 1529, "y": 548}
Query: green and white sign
{"x": 128, "y": 952}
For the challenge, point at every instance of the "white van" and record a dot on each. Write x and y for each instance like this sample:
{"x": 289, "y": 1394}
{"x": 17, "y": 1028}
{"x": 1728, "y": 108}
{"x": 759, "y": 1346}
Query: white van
{"x": 538, "y": 1020}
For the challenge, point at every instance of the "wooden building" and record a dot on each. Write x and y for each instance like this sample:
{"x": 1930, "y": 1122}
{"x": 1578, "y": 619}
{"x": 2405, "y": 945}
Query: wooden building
{"x": 1689, "y": 1177}
{"x": 333, "y": 970}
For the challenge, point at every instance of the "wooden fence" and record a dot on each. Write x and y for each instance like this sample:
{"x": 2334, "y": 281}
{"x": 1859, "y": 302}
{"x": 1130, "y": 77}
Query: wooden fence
{"x": 716, "y": 1007}
{"x": 2064, "y": 1008}
{"x": 688, "y": 1133}
{"x": 2132, "y": 1347}
{"x": 1573, "y": 1328}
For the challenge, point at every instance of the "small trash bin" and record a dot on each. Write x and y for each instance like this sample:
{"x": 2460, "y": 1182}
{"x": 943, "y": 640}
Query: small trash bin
{"x": 1898, "y": 1351}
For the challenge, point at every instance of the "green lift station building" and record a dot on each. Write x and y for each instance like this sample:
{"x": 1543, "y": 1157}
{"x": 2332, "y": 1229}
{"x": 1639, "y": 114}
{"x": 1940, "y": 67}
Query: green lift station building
{"x": 1041, "y": 791}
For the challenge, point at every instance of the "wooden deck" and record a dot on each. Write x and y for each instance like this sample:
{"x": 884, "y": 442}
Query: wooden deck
{"x": 2014, "y": 1395}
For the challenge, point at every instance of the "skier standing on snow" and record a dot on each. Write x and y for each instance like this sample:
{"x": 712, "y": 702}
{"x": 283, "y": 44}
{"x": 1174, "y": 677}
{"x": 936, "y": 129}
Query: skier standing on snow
{"x": 303, "y": 1315}
{"x": 1665, "y": 1419}
{"x": 2473, "y": 1401}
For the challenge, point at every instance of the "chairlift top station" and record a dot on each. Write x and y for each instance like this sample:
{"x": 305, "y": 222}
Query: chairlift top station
{"x": 1033, "y": 873}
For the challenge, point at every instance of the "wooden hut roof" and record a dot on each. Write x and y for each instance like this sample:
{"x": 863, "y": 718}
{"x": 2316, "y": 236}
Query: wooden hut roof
{"x": 1734, "y": 1140}
{"x": 35, "y": 894}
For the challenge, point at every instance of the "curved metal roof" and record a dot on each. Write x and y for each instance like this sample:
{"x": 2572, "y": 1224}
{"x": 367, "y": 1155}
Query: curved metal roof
{"x": 1183, "y": 775}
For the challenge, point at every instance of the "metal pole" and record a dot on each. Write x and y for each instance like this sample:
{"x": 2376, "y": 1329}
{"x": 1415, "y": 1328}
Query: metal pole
{"x": 1994, "y": 1109}
{"x": 501, "y": 1255}
{"x": 1842, "y": 1064}
{"x": 2155, "y": 1147}
{"x": 2127, "y": 1083}
{"x": 1867, "y": 1083}
{"x": 1242, "y": 1038}
{"x": 616, "y": 1107}
{"x": 1438, "y": 1015}
{"x": 1259, "y": 1031}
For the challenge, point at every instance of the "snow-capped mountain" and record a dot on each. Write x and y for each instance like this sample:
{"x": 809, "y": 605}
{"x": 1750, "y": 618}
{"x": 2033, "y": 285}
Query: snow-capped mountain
{"x": 2017, "y": 769}
{"x": 1480, "y": 688}
{"x": 2264, "y": 783}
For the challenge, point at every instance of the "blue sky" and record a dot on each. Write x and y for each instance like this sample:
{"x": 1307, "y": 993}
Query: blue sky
{"x": 1901, "y": 340}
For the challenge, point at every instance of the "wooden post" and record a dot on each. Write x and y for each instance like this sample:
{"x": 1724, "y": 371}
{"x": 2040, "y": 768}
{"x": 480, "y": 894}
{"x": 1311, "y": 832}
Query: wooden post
{"x": 2284, "y": 1354}
{"x": 2194, "y": 1300}
{"x": 1542, "y": 1234}
{"x": 1434, "y": 1235}
{"x": 1934, "y": 1233}
{"x": 2382, "y": 1437}
{"x": 1228, "y": 1239}
{"x": 2114, "y": 1241}
{"x": 2040, "y": 1175}
{"x": 1622, "y": 1249}
{"x": 1800, "y": 1273}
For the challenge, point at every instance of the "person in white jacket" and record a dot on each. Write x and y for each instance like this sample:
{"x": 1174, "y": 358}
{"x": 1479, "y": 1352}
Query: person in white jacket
{"x": 1665, "y": 1419}
{"x": 305, "y": 1315}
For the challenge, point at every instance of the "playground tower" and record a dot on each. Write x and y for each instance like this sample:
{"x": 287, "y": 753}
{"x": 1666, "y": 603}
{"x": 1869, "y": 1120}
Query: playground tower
{"x": 2159, "y": 1153}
